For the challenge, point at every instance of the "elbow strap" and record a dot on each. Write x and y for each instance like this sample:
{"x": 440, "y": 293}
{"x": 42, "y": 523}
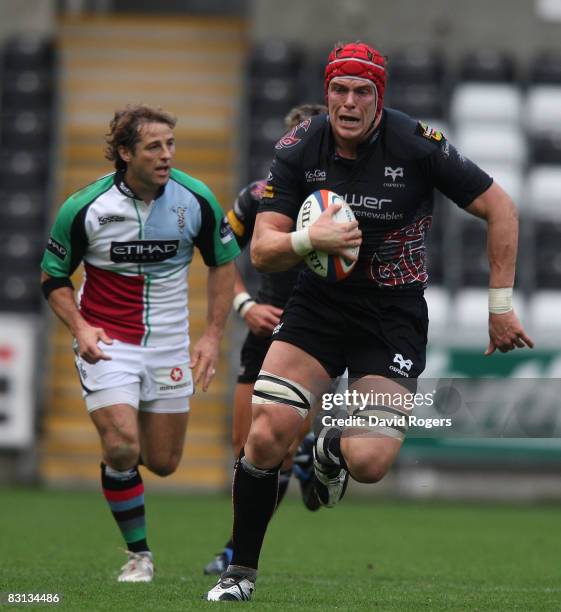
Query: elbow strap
{"x": 55, "y": 282}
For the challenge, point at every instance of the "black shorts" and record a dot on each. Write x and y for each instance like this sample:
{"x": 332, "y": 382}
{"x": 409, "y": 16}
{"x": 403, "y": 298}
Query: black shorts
{"x": 252, "y": 355}
{"x": 379, "y": 334}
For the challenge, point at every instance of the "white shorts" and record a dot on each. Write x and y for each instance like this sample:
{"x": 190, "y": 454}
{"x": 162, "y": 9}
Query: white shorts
{"x": 151, "y": 379}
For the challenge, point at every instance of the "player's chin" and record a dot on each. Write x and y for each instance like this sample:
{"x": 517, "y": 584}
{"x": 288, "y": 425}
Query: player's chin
{"x": 161, "y": 177}
{"x": 350, "y": 132}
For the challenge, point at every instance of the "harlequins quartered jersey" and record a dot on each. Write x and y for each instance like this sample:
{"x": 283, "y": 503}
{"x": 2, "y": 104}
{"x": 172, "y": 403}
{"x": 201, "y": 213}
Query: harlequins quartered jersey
{"x": 136, "y": 256}
{"x": 390, "y": 187}
{"x": 275, "y": 287}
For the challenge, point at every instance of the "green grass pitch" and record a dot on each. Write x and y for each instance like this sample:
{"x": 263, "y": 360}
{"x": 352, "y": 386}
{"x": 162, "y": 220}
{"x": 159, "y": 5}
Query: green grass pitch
{"x": 361, "y": 555}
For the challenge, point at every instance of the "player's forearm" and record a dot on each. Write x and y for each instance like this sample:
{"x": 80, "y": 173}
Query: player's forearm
{"x": 502, "y": 244}
{"x": 239, "y": 285}
{"x": 64, "y": 306}
{"x": 272, "y": 251}
{"x": 220, "y": 293}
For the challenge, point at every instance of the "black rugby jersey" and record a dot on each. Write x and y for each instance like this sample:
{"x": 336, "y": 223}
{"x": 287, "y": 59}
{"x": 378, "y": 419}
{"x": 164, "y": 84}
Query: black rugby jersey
{"x": 390, "y": 187}
{"x": 274, "y": 288}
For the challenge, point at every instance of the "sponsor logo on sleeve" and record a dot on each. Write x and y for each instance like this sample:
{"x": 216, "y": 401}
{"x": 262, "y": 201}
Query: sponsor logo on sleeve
{"x": 104, "y": 220}
{"x": 56, "y": 248}
{"x": 429, "y": 133}
{"x": 292, "y": 138}
{"x": 226, "y": 233}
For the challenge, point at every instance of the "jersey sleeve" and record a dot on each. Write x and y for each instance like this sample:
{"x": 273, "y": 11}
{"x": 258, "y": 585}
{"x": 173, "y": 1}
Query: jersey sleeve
{"x": 215, "y": 240}
{"x": 283, "y": 193}
{"x": 244, "y": 210}
{"x": 67, "y": 241}
{"x": 456, "y": 176}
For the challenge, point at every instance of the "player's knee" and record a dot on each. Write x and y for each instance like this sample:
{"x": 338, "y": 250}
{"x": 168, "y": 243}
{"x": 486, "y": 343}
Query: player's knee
{"x": 121, "y": 453}
{"x": 365, "y": 468}
{"x": 265, "y": 442}
{"x": 165, "y": 464}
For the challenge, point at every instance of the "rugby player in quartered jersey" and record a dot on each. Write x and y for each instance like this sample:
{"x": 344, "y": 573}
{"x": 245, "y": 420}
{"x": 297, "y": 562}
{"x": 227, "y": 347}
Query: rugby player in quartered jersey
{"x": 135, "y": 231}
{"x": 136, "y": 255}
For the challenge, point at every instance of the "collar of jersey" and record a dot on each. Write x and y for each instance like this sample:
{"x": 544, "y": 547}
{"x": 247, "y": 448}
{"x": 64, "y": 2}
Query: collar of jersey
{"x": 124, "y": 188}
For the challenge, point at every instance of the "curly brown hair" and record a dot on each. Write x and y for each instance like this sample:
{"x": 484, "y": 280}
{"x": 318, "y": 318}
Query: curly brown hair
{"x": 297, "y": 114}
{"x": 124, "y": 129}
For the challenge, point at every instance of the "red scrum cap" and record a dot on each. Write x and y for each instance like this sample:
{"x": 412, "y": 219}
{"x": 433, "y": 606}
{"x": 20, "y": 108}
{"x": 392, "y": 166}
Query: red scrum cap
{"x": 358, "y": 60}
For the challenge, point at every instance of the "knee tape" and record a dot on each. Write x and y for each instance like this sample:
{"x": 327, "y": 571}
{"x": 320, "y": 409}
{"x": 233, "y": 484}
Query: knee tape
{"x": 272, "y": 389}
{"x": 384, "y": 421}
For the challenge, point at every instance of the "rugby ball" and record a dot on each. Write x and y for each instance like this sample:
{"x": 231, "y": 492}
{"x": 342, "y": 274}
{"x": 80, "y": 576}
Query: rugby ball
{"x": 330, "y": 267}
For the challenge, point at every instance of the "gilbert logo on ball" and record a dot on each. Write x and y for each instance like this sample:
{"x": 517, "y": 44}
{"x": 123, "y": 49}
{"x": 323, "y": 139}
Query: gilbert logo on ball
{"x": 330, "y": 267}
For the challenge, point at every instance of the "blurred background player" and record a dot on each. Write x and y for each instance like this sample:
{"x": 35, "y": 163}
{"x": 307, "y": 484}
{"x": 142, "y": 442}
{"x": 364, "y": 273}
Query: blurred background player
{"x": 373, "y": 319}
{"x": 135, "y": 230}
{"x": 261, "y": 316}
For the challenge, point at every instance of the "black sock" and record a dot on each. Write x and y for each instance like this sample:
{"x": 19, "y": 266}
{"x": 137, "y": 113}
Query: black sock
{"x": 284, "y": 481}
{"x": 254, "y": 495}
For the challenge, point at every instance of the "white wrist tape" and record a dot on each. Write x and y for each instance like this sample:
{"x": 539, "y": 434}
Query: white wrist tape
{"x": 500, "y": 300}
{"x": 242, "y": 303}
{"x": 301, "y": 243}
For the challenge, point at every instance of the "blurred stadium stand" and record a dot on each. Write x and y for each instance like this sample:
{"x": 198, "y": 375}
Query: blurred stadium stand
{"x": 26, "y": 138}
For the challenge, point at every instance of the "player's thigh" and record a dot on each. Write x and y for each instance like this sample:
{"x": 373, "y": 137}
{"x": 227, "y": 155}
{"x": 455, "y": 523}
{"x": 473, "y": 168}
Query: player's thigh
{"x": 162, "y": 437}
{"x": 117, "y": 425}
{"x": 289, "y": 380}
{"x": 241, "y": 419}
{"x": 379, "y": 407}
{"x": 252, "y": 354}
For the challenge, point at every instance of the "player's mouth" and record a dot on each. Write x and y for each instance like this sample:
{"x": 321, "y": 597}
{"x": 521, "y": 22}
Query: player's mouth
{"x": 162, "y": 171}
{"x": 348, "y": 121}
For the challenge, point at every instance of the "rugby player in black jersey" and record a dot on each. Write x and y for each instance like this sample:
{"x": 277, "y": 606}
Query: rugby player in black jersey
{"x": 261, "y": 316}
{"x": 386, "y": 165}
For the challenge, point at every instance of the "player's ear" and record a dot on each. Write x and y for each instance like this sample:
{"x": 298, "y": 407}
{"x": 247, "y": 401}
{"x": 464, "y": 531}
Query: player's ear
{"x": 124, "y": 153}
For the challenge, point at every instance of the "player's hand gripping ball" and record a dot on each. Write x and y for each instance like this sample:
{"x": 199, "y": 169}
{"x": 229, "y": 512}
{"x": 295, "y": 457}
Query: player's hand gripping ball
{"x": 330, "y": 267}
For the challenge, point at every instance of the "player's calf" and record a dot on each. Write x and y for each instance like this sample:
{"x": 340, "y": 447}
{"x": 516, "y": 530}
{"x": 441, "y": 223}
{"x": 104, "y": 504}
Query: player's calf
{"x": 371, "y": 445}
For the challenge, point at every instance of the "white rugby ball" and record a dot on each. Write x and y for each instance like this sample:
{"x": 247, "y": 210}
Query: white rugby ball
{"x": 330, "y": 267}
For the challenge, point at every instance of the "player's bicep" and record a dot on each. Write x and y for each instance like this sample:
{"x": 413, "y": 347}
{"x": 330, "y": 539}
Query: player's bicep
{"x": 490, "y": 201}
{"x": 456, "y": 176}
